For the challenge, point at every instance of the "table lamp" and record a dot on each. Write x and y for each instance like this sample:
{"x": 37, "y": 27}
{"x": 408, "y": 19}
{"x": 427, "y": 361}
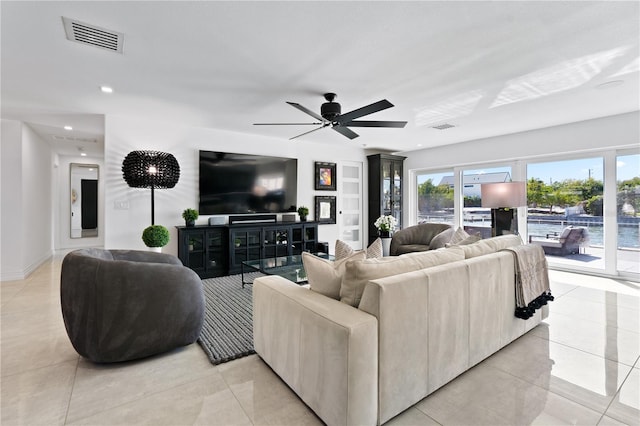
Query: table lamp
{"x": 503, "y": 198}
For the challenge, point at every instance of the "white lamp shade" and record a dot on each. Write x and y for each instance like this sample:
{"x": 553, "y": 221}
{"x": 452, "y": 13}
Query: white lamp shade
{"x": 503, "y": 194}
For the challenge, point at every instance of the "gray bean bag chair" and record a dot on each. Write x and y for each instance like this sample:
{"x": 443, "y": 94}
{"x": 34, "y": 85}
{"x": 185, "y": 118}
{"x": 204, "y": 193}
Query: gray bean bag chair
{"x": 422, "y": 237}
{"x": 120, "y": 305}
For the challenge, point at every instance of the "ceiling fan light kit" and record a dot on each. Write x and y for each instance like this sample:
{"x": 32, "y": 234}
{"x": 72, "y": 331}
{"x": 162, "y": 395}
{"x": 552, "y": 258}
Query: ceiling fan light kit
{"x": 331, "y": 115}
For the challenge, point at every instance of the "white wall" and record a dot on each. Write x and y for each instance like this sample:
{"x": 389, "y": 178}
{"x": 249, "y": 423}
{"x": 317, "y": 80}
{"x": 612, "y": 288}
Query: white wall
{"x": 62, "y": 239}
{"x": 123, "y": 227}
{"x": 27, "y": 219}
{"x": 598, "y": 134}
{"x": 11, "y": 267}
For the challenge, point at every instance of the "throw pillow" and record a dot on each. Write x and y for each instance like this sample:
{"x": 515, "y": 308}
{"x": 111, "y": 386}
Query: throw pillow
{"x": 469, "y": 240}
{"x": 458, "y": 236}
{"x": 374, "y": 251}
{"x": 357, "y": 274}
{"x": 344, "y": 250}
{"x": 325, "y": 276}
{"x": 441, "y": 239}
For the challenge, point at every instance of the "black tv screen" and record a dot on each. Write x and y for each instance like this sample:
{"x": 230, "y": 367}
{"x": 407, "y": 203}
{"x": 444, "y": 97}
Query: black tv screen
{"x": 244, "y": 183}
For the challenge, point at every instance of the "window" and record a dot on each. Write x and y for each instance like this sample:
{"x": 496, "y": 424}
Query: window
{"x": 475, "y": 218}
{"x": 435, "y": 197}
{"x": 566, "y": 195}
{"x": 628, "y": 212}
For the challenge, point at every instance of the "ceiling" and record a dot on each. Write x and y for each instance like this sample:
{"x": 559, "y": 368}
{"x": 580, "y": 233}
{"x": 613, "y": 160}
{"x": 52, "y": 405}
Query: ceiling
{"x": 485, "y": 68}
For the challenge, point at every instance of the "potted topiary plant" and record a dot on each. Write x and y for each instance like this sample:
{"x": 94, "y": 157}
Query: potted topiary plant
{"x": 155, "y": 237}
{"x": 303, "y": 212}
{"x": 190, "y": 216}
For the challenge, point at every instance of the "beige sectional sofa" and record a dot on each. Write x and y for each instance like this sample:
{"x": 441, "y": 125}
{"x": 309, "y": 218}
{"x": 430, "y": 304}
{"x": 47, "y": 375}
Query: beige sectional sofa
{"x": 409, "y": 334}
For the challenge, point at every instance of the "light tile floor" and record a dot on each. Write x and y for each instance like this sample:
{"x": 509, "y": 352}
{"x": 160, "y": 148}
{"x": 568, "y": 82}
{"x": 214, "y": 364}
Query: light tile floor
{"x": 581, "y": 366}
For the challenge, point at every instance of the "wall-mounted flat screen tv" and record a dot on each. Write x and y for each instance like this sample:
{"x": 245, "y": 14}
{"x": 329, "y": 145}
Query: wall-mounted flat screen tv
{"x": 245, "y": 183}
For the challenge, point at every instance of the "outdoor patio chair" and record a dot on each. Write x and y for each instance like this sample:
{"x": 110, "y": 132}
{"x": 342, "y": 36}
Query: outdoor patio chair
{"x": 567, "y": 242}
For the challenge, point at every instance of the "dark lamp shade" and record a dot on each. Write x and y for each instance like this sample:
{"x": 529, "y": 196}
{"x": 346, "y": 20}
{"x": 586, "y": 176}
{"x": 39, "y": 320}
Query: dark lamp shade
{"x": 150, "y": 169}
{"x": 503, "y": 194}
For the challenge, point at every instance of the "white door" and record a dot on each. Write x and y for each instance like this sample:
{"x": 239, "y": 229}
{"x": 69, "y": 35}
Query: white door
{"x": 350, "y": 203}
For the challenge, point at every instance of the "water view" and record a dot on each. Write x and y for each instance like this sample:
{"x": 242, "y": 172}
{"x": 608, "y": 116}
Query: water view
{"x": 628, "y": 234}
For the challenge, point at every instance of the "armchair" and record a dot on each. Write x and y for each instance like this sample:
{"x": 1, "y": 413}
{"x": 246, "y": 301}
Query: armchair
{"x": 419, "y": 238}
{"x": 567, "y": 242}
{"x": 120, "y": 305}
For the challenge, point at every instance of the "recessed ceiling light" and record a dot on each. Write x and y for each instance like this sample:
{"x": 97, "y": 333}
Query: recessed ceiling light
{"x": 83, "y": 154}
{"x": 106, "y": 89}
{"x": 609, "y": 84}
{"x": 68, "y": 128}
{"x": 419, "y": 144}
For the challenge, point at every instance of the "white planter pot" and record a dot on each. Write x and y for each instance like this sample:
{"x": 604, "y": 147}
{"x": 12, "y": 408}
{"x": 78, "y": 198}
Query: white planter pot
{"x": 156, "y": 249}
{"x": 386, "y": 245}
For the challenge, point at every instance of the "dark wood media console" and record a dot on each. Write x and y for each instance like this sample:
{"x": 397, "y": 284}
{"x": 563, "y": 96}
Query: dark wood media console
{"x": 218, "y": 250}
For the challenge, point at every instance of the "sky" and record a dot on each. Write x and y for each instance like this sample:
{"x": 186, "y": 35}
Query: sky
{"x": 628, "y": 167}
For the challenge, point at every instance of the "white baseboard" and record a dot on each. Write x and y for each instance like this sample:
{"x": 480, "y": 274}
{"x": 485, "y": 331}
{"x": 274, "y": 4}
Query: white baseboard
{"x": 25, "y": 272}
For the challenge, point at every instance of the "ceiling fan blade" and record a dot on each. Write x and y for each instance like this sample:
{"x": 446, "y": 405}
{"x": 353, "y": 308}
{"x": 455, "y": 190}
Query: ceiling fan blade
{"x": 307, "y": 111}
{"x": 345, "y": 131}
{"x": 365, "y": 110}
{"x": 287, "y": 124}
{"x": 368, "y": 123}
{"x": 306, "y": 133}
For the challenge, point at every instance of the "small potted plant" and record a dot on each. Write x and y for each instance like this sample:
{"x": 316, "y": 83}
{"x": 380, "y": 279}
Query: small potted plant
{"x": 386, "y": 225}
{"x": 190, "y": 216}
{"x": 155, "y": 237}
{"x": 303, "y": 212}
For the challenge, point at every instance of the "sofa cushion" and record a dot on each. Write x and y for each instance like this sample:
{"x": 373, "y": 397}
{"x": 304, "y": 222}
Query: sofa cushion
{"x": 344, "y": 250}
{"x": 490, "y": 245}
{"x": 325, "y": 276}
{"x": 427, "y": 259}
{"x": 503, "y": 241}
{"x": 358, "y": 273}
{"x": 441, "y": 239}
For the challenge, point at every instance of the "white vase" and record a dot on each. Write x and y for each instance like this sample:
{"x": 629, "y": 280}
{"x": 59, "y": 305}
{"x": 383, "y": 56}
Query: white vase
{"x": 156, "y": 249}
{"x": 386, "y": 246}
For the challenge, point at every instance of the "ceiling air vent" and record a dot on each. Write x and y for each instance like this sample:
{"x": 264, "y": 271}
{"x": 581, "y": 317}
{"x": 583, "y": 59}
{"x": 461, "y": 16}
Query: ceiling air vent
{"x": 93, "y": 36}
{"x": 443, "y": 126}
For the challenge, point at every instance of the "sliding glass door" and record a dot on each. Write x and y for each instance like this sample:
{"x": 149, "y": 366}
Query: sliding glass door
{"x": 628, "y": 213}
{"x": 435, "y": 197}
{"x": 565, "y": 213}
{"x": 584, "y": 211}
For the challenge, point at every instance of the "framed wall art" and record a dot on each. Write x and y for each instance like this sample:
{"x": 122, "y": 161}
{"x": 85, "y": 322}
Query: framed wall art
{"x": 325, "y": 179}
{"x": 326, "y": 210}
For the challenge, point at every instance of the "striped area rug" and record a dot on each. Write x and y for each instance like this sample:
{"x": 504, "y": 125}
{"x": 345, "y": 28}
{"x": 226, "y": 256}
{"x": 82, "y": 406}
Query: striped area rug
{"x": 227, "y": 332}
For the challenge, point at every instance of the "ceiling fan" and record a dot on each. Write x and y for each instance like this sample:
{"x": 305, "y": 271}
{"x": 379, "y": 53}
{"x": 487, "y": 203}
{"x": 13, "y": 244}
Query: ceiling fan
{"x": 330, "y": 116}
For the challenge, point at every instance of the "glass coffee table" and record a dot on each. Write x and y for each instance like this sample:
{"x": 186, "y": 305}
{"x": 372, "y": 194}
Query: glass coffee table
{"x": 289, "y": 267}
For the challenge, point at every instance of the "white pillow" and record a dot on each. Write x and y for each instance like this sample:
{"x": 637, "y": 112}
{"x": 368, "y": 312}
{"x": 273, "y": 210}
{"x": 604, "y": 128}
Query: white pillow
{"x": 358, "y": 274}
{"x": 459, "y": 236}
{"x": 344, "y": 250}
{"x": 325, "y": 276}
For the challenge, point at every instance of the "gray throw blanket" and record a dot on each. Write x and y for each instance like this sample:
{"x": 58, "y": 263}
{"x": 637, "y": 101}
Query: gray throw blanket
{"x": 532, "y": 279}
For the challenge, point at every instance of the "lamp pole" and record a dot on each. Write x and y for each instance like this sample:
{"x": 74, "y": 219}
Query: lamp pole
{"x": 152, "y": 176}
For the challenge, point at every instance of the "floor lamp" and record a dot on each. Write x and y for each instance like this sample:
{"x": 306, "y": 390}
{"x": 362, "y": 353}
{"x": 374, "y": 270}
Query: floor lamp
{"x": 503, "y": 198}
{"x": 150, "y": 169}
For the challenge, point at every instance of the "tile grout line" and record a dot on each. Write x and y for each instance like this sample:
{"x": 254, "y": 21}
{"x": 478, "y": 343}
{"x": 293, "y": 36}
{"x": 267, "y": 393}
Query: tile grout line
{"x": 73, "y": 386}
